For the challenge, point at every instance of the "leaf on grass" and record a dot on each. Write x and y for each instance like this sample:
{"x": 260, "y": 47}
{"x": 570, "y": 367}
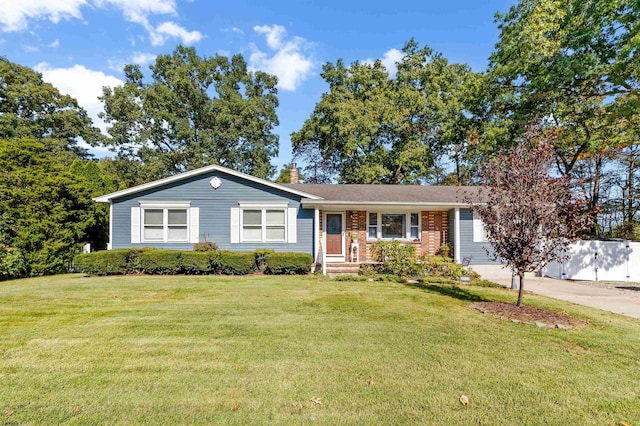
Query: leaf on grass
{"x": 464, "y": 400}
{"x": 316, "y": 401}
{"x": 370, "y": 382}
{"x": 236, "y": 406}
{"x": 623, "y": 423}
{"x": 9, "y": 413}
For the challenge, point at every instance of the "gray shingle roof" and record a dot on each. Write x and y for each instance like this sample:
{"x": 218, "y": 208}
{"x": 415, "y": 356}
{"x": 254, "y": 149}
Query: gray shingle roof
{"x": 390, "y": 193}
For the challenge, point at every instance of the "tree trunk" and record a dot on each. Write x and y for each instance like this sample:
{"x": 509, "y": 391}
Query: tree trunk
{"x": 519, "y": 302}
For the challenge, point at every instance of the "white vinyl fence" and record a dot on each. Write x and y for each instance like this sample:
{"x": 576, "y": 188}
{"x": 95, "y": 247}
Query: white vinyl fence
{"x": 596, "y": 260}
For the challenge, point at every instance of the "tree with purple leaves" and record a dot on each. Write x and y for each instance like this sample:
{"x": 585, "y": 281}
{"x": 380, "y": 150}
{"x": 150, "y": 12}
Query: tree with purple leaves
{"x": 530, "y": 216}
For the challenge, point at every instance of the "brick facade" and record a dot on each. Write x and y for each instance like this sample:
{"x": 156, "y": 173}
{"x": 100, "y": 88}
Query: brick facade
{"x": 433, "y": 233}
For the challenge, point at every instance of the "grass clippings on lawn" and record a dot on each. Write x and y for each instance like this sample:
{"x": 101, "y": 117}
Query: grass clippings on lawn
{"x": 300, "y": 350}
{"x": 530, "y": 315}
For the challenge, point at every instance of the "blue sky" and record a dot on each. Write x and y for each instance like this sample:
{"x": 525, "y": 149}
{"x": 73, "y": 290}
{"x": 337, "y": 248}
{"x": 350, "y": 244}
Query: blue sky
{"x": 81, "y": 45}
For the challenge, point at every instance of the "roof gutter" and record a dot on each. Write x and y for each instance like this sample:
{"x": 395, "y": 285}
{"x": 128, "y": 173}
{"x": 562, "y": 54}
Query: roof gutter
{"x": 322, "y": 203}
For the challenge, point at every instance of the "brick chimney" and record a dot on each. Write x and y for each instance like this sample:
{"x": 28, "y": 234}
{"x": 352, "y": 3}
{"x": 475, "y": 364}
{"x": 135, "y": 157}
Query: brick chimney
{"x": 293, "y": 174}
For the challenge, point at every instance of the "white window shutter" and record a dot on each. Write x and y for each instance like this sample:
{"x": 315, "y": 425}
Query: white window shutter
{"x": 194, "y": 225}
{"x": 478, "y": 229}
{"x": 135, "y": 225}
{"x": 235, "y": 225}
{"x": 292, "y": 222}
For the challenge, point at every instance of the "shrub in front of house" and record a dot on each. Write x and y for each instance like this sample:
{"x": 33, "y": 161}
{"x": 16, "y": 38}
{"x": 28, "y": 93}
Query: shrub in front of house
{"x": 107, "y": 262}
{"x": 198, "y": 262}
{"x": 261, "y": 258}
{"x": 235, "y": 263}
{"x": 205, "y": 246}
{"x": 445, "y": 250}
{"x": 445, "y": 267}
{"x": 160, "y": 262}
{"x": 395, "y": 258}
{"x": 133, "y": 259}
{"x": 288, "y": 263}
{"x": 170, "y": 262}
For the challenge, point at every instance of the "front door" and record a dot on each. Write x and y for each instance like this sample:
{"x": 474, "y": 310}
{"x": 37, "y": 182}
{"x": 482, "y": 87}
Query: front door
{"x": 334, "y": 234}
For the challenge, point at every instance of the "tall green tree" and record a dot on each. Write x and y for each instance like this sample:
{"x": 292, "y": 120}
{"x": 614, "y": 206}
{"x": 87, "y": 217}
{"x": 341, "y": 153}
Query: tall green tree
{"x": 194, "y": 111}
{"x": 29, "y": 107}
{"x": 373, "y": 128}
{"x": 571, "y": 66}
{"x": 45, "y": 211}
{"x": 96, "y": 182}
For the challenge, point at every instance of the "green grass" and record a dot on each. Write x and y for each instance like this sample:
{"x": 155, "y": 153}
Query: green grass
{"x": 185, "y": 350}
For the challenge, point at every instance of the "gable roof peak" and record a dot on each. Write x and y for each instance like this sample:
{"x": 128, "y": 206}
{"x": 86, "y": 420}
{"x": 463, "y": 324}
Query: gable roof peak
{"x": 107, "y": 198}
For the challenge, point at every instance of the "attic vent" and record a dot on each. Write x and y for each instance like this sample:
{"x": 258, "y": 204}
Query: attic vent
{"x": 215, "y": 182}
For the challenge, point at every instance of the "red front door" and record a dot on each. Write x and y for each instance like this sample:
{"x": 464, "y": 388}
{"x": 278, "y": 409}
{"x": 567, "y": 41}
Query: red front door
{"x": 334, "y": 234}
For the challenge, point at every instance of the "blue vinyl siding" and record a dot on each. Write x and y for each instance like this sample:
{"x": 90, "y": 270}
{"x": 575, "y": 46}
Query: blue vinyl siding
{"x": 468, "y": 248}
{"x": 215, "y": 212}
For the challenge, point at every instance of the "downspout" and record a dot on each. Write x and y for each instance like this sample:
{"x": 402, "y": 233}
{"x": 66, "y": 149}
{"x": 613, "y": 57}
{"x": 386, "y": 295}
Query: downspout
{"x": 456, "y": 235}
{"x": 316, "y": 235}
{"x": 110, "y": 243}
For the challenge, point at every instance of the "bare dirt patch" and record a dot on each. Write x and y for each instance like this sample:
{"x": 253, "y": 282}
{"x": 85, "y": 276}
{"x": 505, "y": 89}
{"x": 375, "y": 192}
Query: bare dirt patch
{"x": 530, "y": 315}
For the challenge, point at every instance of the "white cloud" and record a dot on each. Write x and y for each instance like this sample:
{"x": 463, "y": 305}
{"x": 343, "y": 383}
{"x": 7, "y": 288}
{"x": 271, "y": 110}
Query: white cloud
{"x": 14, "y": 14}
{"x": 389, "y": 60}
{"x": 81, "y": 83}
{"x": 170, "y": 29}
{"x": 232, "y": 30}
{"x": 30, "y": 49}
{"x": 54, "y": 43}
{"x": 274, "y": 34}
{"x": 139, "y": 10}
{"x": 141, "y": 58}
{"x": 288, "y": 62}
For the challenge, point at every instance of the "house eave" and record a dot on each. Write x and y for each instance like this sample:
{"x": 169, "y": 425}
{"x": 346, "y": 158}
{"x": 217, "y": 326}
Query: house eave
{"x": 207, "y": 169}
{"x": 372, "y": 205}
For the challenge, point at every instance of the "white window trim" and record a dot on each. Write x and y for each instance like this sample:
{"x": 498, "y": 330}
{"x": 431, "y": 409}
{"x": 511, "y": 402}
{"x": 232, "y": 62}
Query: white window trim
{"x": 407, "y": 226}
{"x": 263, "y": 209}
{"x": 165, "y": 206}
{"x": 479, "y": 231}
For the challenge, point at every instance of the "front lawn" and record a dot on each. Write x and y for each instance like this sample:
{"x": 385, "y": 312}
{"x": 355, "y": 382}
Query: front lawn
{"x": 300, "y": 350}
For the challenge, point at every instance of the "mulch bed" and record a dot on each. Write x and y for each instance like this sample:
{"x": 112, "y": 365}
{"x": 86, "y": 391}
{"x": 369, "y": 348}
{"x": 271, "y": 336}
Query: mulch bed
{"x": 530, "y": 315}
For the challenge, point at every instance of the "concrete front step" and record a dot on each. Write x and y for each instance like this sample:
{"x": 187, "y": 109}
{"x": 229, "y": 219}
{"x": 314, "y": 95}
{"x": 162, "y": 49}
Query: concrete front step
{"x": 343, "y": 269}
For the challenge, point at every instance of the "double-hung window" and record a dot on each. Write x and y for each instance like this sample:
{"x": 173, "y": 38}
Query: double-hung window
{"x": 264, "y": 225}
{"x": 168, "y": 224}
{"x": 165, "y": 222}
{"x": 402, "y": 226}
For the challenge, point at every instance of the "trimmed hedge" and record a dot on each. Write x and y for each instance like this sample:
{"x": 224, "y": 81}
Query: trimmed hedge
{"x": 288, "y": 263}
{"x": 236, "y": 263}
{"x": 199, "y": 262}
{"x": 160, "y": 262}
{"x": 109, "y": 262}
{"x": 170, "y": 262}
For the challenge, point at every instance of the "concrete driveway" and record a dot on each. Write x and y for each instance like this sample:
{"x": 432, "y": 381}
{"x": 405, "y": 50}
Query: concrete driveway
{"x": 619, "y": 298}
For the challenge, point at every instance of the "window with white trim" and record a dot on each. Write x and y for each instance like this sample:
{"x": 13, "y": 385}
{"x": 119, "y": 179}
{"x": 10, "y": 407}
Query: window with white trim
{"x": 479, "y": 231}
{"x": 372, "y": 226}
{"x": 165, "y": 225}
{"x": 414, "y": 226}
{"x": 165, "y": 222}
{"x": 264, "y": 225}
{"x": 388, "y": 226}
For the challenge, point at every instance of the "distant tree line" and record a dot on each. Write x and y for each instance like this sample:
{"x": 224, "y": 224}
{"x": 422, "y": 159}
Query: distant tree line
{"x": 568, "y": 68}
